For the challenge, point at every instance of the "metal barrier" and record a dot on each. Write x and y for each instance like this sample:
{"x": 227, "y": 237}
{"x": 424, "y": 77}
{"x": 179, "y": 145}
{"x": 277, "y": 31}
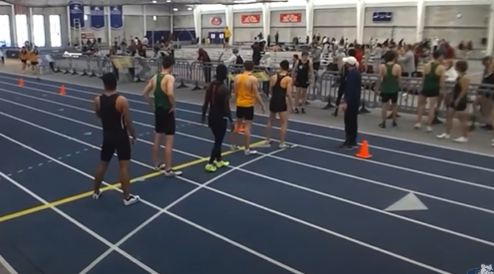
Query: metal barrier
{"x": 196, "y": 75}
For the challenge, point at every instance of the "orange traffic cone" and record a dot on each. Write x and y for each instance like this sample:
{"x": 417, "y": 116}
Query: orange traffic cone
{"x": 62, "y": 90}
{"x": 240, "y": 128}
{"x": 364, "y": 151}
{"x": 21, "y": 82}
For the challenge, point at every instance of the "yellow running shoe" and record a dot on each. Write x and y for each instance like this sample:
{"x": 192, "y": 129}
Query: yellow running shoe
{"x": 210, "y": 168}
{"x": 220, "y": 164}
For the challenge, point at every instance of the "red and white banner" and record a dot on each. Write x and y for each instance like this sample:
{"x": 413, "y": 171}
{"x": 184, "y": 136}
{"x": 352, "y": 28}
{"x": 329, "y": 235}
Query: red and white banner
{"x": 216, "y": 20}
{"x": 290, "y": 17}
{"x": 250, "y": 18}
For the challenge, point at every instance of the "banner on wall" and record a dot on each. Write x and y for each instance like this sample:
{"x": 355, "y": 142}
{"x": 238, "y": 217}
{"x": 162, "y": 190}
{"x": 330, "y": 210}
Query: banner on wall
{"x": 382, "y": 16}
{"x": 250, "y": 18}
{"x": 291, "y": 17}
{"x": 116, "y": 17}
{"x": 97, "y": 16}
{"x": 76, "y": 15}
{"x": 216, "y": 20}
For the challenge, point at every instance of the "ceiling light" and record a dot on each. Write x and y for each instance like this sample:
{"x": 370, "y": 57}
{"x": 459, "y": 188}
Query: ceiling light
{"x": 175, "y": 9}
{"x": 168, "y": 1}
{"x": 154, "y": 2}
{"x": 189, "y": 8}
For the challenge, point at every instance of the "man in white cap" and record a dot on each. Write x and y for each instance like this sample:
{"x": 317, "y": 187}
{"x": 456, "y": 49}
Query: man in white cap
{"x": 351, "y": 103}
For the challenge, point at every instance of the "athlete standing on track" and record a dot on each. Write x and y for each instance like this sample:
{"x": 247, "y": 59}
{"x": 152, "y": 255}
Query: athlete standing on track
{"x": 217, "y": 99}
{"x": 302, "y": 72}
{"x": 280, "y": 102}
{"x": 434, "y": 80}
{"x": 113, "y": 110}
{"x": 390, "y": 78}
{"x": 163, "y": 103}
{"x": 247, "y": 94}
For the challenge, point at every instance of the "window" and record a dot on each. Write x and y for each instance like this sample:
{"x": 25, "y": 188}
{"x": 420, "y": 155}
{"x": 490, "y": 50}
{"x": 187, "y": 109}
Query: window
{"x": 55, "y": 29}
{"x": 289, "y": 3}
{"x": 257, "y": 6}
{"x": 22, "y": 34}
{"x": 212, "y": 7}
{"x": 5, "y": 34}
{"x": 334, "y": 2}
{"x": 39, "y": 30}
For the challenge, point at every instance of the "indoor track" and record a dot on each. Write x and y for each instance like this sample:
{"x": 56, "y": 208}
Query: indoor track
{"x": 307, "y": 209}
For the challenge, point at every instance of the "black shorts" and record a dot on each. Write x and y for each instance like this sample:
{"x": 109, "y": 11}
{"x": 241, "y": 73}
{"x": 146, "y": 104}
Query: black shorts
{"x": 393, "y": 97}
{"x": 34, "y": 63}
{"x": 23, "y": 61}
{"x": 227, "y": 39}
{"x": 120, "y": 145}
{"x": 430, "y": 92}
{"x": 462, "y": 105}
{"x": 246, "y": 113}
{"x": 316, "y": 66}
{"x": 302, "y": 84}
{"x": 277, "y": 106}
{"x": 164, "y": 121}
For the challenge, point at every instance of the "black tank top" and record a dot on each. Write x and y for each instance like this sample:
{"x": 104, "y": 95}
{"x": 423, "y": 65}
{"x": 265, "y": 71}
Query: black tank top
{"x": 303, "y": 71}
{"x": 278, "y": 92}
{"x": 112, "y": 120}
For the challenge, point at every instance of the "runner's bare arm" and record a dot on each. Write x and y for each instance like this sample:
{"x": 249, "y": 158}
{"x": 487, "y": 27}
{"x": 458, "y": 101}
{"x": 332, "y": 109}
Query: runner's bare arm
{"x": 123, "y": 107}
{"x": 235, "y": 86}
{"x": 147, "y": 90}
{"x": 311, "y": 73}
{"x": 442, "y": 81}
{"x": 289, "y": 86}
{"x": 255, "y": 84}
{"x": 272, "y": 82}
{"x": 97, "y": 107}
{"x": 168, "y": 85}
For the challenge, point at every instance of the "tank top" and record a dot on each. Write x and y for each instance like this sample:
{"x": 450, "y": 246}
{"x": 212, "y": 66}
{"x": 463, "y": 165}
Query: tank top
{"x": 390, "y": 83}
{"x": 245, "y": 96}
{"x": 161, "y": 99}
{"x": 112, "y": 120}
{"x": 23, "y": 54}
{"x": 458, "y": 88}
{"x": 278, "y": 92}
{"x": 432, "y": 80}
{"x": 303, "y": 71}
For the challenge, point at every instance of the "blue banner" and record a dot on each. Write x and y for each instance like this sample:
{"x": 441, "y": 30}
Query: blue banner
{"x": 76, "y": 15}
{"x": 116, "y": 17}
{"x": 97, "y": 17}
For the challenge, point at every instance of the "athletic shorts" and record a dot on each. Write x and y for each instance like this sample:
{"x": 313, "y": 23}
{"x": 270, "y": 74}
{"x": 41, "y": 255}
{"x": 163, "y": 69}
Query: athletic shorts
{"x": 462, "y": 105}
{"x": 300, "y": 84}
{"x": 120, "y": 145}
{"x": 34, "y": 63}
{"x": 227, "y": 39}
{"x": 23, "y": 61}
{"x": 246, "y": 113}
{"x": 164, "y": 121}
{"x": 277, "y": 106}
{"x": 430, "y": 92}
{"x": 393, "y": 97}
{"x": 316, "y": 66}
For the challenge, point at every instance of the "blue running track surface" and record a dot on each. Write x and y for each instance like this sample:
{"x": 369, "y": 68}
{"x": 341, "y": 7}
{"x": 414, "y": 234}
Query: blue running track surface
{"x": 412, "y": 208}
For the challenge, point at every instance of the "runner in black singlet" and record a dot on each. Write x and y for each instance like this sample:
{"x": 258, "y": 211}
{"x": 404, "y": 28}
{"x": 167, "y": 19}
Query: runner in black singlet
{"x": 218, "y": 101}
{"x": 302, "y": 72}
{"x": 280, "y": 102}
{"x": 113, "y": 110}
{"x": 459, "y": 105}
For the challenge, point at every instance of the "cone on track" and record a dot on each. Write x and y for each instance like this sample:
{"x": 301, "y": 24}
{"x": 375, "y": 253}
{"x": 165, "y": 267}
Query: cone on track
{"x": 240, "y": 128}
{"x": 364, "y": 151}
{"x": 21, "y": 82}
{"x": 62, "y": 90}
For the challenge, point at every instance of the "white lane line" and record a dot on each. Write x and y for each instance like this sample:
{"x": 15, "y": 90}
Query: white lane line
{"x": 319, "y": 125}
{"x": 210, "y": 232}
{"x": 180, "y": 199}
{"x": 340, "y": 199}
{"x": 439, "y": 198}
{"x": 289, "y": 217}
{"x": 7, "y": 266}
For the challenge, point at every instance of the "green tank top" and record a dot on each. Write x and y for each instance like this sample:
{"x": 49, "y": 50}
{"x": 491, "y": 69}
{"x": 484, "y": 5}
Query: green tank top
{"x": 390, "y": 83}
{"x": 431, "y": 79}
{"x": 161, "y": 100}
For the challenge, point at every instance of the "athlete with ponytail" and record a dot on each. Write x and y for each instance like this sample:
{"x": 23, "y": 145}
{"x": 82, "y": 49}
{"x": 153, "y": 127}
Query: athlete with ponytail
{"x": 217, "y": 100}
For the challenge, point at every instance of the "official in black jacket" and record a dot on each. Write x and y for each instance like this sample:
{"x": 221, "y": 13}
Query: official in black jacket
{"x": 351, "y": 102}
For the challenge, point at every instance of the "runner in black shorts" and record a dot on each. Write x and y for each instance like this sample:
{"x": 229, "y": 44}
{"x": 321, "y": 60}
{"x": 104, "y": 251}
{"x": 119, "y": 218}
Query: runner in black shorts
{"x": 459, "y": 105}
{"x": 163, "y": 103}
{"x": 280, "y": 102}
{"x": 302, "y": 72}
{"x": 113, "y": 110}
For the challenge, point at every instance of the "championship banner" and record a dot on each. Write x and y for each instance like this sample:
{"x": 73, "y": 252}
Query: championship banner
{"x": 250, "y": 18}
{"x": 76, "y": 15}
{"x": 97, "y": 17}
{"x": 116, "y": 17}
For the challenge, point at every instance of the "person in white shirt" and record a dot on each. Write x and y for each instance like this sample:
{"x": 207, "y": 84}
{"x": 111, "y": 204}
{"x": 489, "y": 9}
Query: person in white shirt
{"x": 145, "y": 41}
{"x": 235, "y": 59}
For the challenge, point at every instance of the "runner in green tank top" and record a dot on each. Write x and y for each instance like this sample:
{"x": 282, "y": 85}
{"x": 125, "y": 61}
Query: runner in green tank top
{"x": 162, "y": 86}
{"x": 433, "y": 81}
{"x": 390, "y": 79}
